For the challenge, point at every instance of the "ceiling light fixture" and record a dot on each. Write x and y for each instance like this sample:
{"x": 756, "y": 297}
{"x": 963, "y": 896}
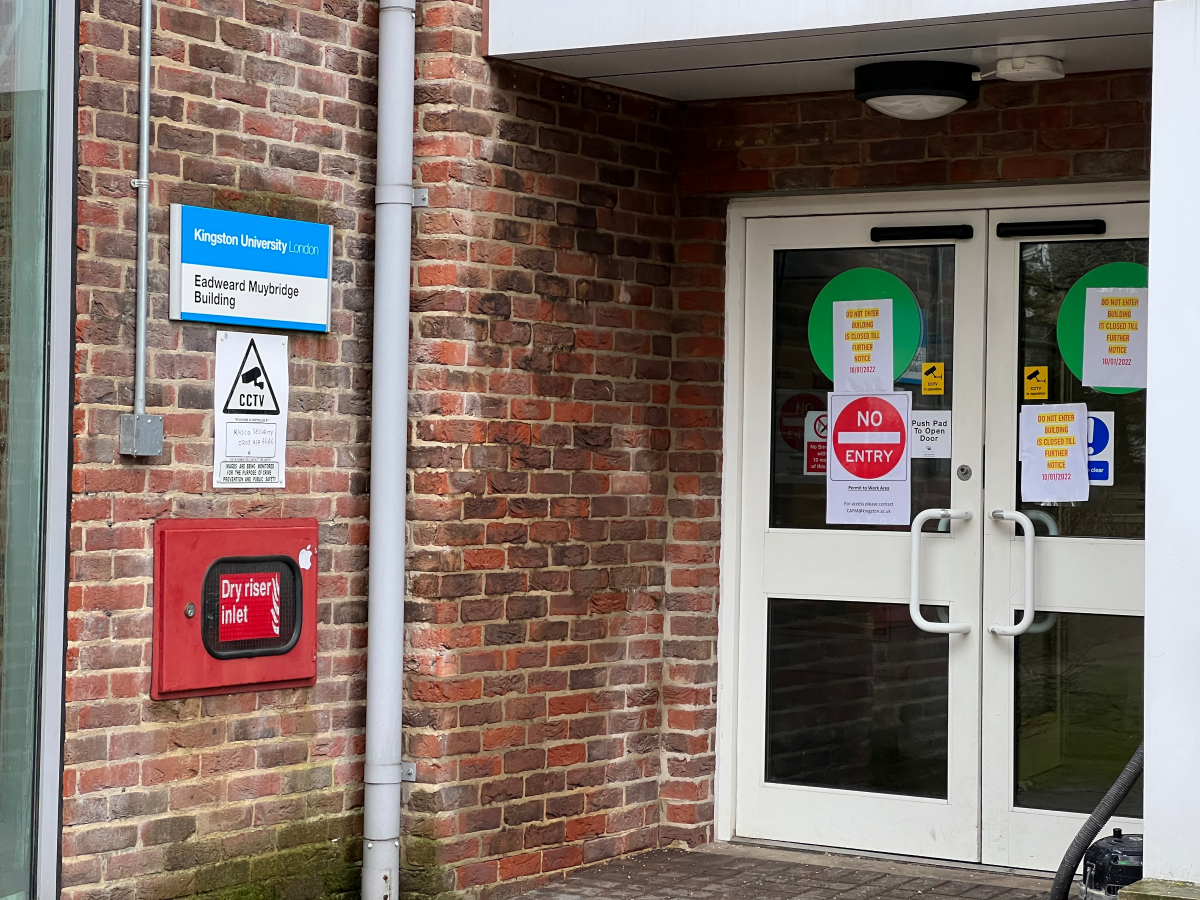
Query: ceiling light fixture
{"x": 916, "y": 89}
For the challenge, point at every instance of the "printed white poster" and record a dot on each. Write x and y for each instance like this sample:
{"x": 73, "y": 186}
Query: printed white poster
{"x": 931, "y": 434}
{"x": 1101, "y": 437}
{"x": 1054, "y": 466}
{"x": 1114, "y": 337}
{"x": 250, "y": 415}
{"x": 868, "y": 477}
{"x": 862, "y": 346}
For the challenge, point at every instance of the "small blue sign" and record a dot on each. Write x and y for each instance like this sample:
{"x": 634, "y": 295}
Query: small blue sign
{"x": 1100, "y": 448}
{"x": 240, "y": 269}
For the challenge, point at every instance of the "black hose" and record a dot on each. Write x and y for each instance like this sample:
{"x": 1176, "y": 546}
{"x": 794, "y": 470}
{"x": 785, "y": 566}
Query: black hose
{"x": 1100, "y": 815}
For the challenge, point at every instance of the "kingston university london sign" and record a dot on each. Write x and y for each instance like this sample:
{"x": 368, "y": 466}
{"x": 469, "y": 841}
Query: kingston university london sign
{"x": 239, "y": 269}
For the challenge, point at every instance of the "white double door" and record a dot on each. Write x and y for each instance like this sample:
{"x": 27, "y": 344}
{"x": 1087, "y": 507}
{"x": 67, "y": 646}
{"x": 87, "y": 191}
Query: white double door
{"x": 855, "y": 728}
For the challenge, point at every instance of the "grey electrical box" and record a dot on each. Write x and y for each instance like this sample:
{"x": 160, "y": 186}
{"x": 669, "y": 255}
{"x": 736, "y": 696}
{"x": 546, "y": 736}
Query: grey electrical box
{"x": 141, "y": 435}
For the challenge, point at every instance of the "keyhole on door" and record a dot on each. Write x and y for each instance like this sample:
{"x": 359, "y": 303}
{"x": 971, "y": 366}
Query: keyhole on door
{"x": 964, "y": 473}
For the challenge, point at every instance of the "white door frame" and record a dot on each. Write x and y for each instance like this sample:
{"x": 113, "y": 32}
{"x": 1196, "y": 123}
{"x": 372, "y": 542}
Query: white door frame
{"x": 1080, "y": 574}
{"x": 740, "y": 211}
{"x": 815, "y": 564}
{"x": 60, "y": 380}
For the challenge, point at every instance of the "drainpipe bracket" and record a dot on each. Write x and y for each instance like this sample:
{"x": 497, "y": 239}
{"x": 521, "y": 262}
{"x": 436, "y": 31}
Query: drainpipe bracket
{"x": 401, "y": 194}
{"x": 375, "y": 773}
{"x": 141, "y": 435}
{"x": 138, "y": 183}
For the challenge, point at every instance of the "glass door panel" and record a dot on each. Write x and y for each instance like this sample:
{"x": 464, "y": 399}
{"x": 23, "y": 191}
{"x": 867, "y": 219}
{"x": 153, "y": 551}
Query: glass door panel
{"x": 1048, "y": 271}
{"x": 1077, "y": 711}
{"x": 857, "y": 698}
{"x": 24, "y": 70}
{"x": 798, "y": 496}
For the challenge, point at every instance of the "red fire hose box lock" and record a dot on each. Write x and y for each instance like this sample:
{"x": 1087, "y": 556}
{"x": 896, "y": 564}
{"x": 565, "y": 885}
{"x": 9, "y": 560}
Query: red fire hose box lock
{"x": 235, "y": 606}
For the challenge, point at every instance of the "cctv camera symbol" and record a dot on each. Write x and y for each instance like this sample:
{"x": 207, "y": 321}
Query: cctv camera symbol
{"x": 253, "y": 375}
{"x": 1035, "y": 375}
{"x": 931, "y": 370}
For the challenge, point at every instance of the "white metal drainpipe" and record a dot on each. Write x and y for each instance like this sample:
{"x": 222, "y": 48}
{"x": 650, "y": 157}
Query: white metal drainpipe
{"x": 389, "y": 432}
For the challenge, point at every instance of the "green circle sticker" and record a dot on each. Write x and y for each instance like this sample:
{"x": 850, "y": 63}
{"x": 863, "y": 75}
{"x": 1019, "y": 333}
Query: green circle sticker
{"x": 1070, "y": 314}
{"x": 865, "y": 284}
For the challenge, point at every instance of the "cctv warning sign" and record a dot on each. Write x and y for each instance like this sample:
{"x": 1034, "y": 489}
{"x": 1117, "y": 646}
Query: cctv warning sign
{"x": 1036, "y": 381}
{"x": 250, "y": 425}
{"x": 251, "y": 391}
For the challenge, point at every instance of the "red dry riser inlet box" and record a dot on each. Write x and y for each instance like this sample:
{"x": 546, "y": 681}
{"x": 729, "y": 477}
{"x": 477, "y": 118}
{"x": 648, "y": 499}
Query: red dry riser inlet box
{"x": 235, "y": 606}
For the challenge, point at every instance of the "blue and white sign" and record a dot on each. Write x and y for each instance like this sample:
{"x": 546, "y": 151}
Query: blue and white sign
{"x": 1100, "y": 436}
{"x": 239, "y": 269}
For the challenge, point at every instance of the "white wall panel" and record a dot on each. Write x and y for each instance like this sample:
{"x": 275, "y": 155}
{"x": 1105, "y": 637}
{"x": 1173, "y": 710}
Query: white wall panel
{"x": 1172, "y": 779}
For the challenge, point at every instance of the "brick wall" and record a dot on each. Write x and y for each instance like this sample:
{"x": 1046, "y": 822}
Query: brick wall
{"x": 565, "y": 436}
{"x": 566, "y": 384}
{"x": 267, "y": 108}
{"x": 1083, "y": 128}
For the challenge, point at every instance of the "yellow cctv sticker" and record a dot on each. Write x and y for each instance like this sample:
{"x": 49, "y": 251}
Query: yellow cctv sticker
{"x": 1037, "y": 382}
{"x": 933, "y": 379}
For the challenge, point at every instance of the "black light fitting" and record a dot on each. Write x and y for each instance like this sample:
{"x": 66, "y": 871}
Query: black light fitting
{"x": 916, "y": 89}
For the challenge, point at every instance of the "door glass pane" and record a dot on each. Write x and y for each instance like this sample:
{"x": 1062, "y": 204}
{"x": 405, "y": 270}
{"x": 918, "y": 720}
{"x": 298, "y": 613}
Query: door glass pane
{"x": 1078, "y": 710}
{"x": 856, "y": 698}
{"x": 1048, "y": 270}
{"x": 23, "y": 155}
{"x": 800, "y": 387}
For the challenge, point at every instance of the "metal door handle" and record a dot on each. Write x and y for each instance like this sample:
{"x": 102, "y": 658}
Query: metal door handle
{"x": 1010, "y": 515}
{"x": 914, "y": 587}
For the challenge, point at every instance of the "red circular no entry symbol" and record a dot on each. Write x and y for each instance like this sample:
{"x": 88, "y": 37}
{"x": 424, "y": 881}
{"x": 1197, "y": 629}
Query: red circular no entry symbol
{"x": 869, "y": 437}
{"x": 791, "y": 418}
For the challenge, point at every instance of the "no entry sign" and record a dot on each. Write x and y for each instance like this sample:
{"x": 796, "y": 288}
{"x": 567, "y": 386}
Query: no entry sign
{"x": 870, "y": 437}
{"x": 867, "y": 481}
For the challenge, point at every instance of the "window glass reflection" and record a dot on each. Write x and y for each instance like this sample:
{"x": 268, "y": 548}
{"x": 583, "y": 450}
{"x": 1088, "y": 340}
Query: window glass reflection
{"x": 1078, "y": 689}
{"x": 1048, "y": 270}
{"x": 801, "y": 388}
{"x": 23, "y": 191}
{"x": 856, "y": 698}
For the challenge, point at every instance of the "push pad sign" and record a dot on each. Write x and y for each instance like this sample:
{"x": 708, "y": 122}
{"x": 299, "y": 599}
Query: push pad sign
{"x": 249, "y": 606}
{"x": 869, "y": 465}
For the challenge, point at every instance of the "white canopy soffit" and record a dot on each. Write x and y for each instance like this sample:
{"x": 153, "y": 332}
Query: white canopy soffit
{"x": 712, "y": 49}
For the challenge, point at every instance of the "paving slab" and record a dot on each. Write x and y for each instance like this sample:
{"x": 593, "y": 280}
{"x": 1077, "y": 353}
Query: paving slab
{"x": 728, "y": 871}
